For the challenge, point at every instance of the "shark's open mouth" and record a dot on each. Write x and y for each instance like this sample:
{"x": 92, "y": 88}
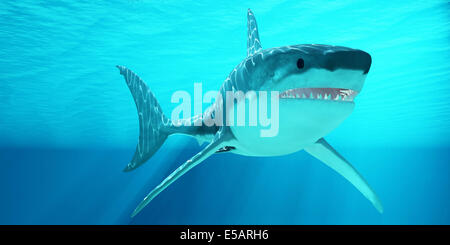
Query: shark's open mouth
{"x": 337, "y": 94}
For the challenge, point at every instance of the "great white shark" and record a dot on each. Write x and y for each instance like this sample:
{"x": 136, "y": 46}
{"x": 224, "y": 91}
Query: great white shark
{"x": 316, "y": 86}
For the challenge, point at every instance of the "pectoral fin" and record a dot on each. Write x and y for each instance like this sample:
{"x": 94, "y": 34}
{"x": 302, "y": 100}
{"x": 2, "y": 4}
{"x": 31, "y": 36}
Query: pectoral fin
{"x": 215, "y": 145}
{"x": 325, "y": 153}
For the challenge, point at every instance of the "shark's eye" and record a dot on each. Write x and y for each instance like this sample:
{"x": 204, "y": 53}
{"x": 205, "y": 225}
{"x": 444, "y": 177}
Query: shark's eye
{"x": 300, "y": 63}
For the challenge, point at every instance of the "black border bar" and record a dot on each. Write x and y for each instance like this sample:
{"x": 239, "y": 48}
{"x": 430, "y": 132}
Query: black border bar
{"x": 246, "y": 234}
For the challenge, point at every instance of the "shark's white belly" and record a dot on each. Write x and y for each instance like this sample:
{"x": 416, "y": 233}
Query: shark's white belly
{"x": 301, "y": 123}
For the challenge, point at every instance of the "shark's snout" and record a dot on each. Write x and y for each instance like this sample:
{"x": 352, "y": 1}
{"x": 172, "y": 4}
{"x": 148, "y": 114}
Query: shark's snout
{"x": 351, "y": 59}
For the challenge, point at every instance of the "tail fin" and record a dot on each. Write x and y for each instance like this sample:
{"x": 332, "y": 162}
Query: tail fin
{"x": 152, "y": 122}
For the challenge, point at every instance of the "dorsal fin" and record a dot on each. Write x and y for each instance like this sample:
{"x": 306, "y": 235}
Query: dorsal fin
{"x": 253, "y": 43}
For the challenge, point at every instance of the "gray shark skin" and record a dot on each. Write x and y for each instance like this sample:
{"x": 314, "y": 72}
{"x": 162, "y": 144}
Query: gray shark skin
{"x": 316, "y": 85}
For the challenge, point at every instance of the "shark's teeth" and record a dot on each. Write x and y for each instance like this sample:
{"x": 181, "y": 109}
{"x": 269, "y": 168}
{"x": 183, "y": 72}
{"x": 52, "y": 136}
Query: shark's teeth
{"x": 335, "y": 94}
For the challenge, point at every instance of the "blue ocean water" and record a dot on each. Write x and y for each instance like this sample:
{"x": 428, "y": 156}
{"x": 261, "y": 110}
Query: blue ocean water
{"x": 68, "y": 124}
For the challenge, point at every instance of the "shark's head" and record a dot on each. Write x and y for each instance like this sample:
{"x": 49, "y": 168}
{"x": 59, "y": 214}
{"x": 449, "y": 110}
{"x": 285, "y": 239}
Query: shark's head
{"x": 317, "y": 84}
{"x": 312, "y": 72}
